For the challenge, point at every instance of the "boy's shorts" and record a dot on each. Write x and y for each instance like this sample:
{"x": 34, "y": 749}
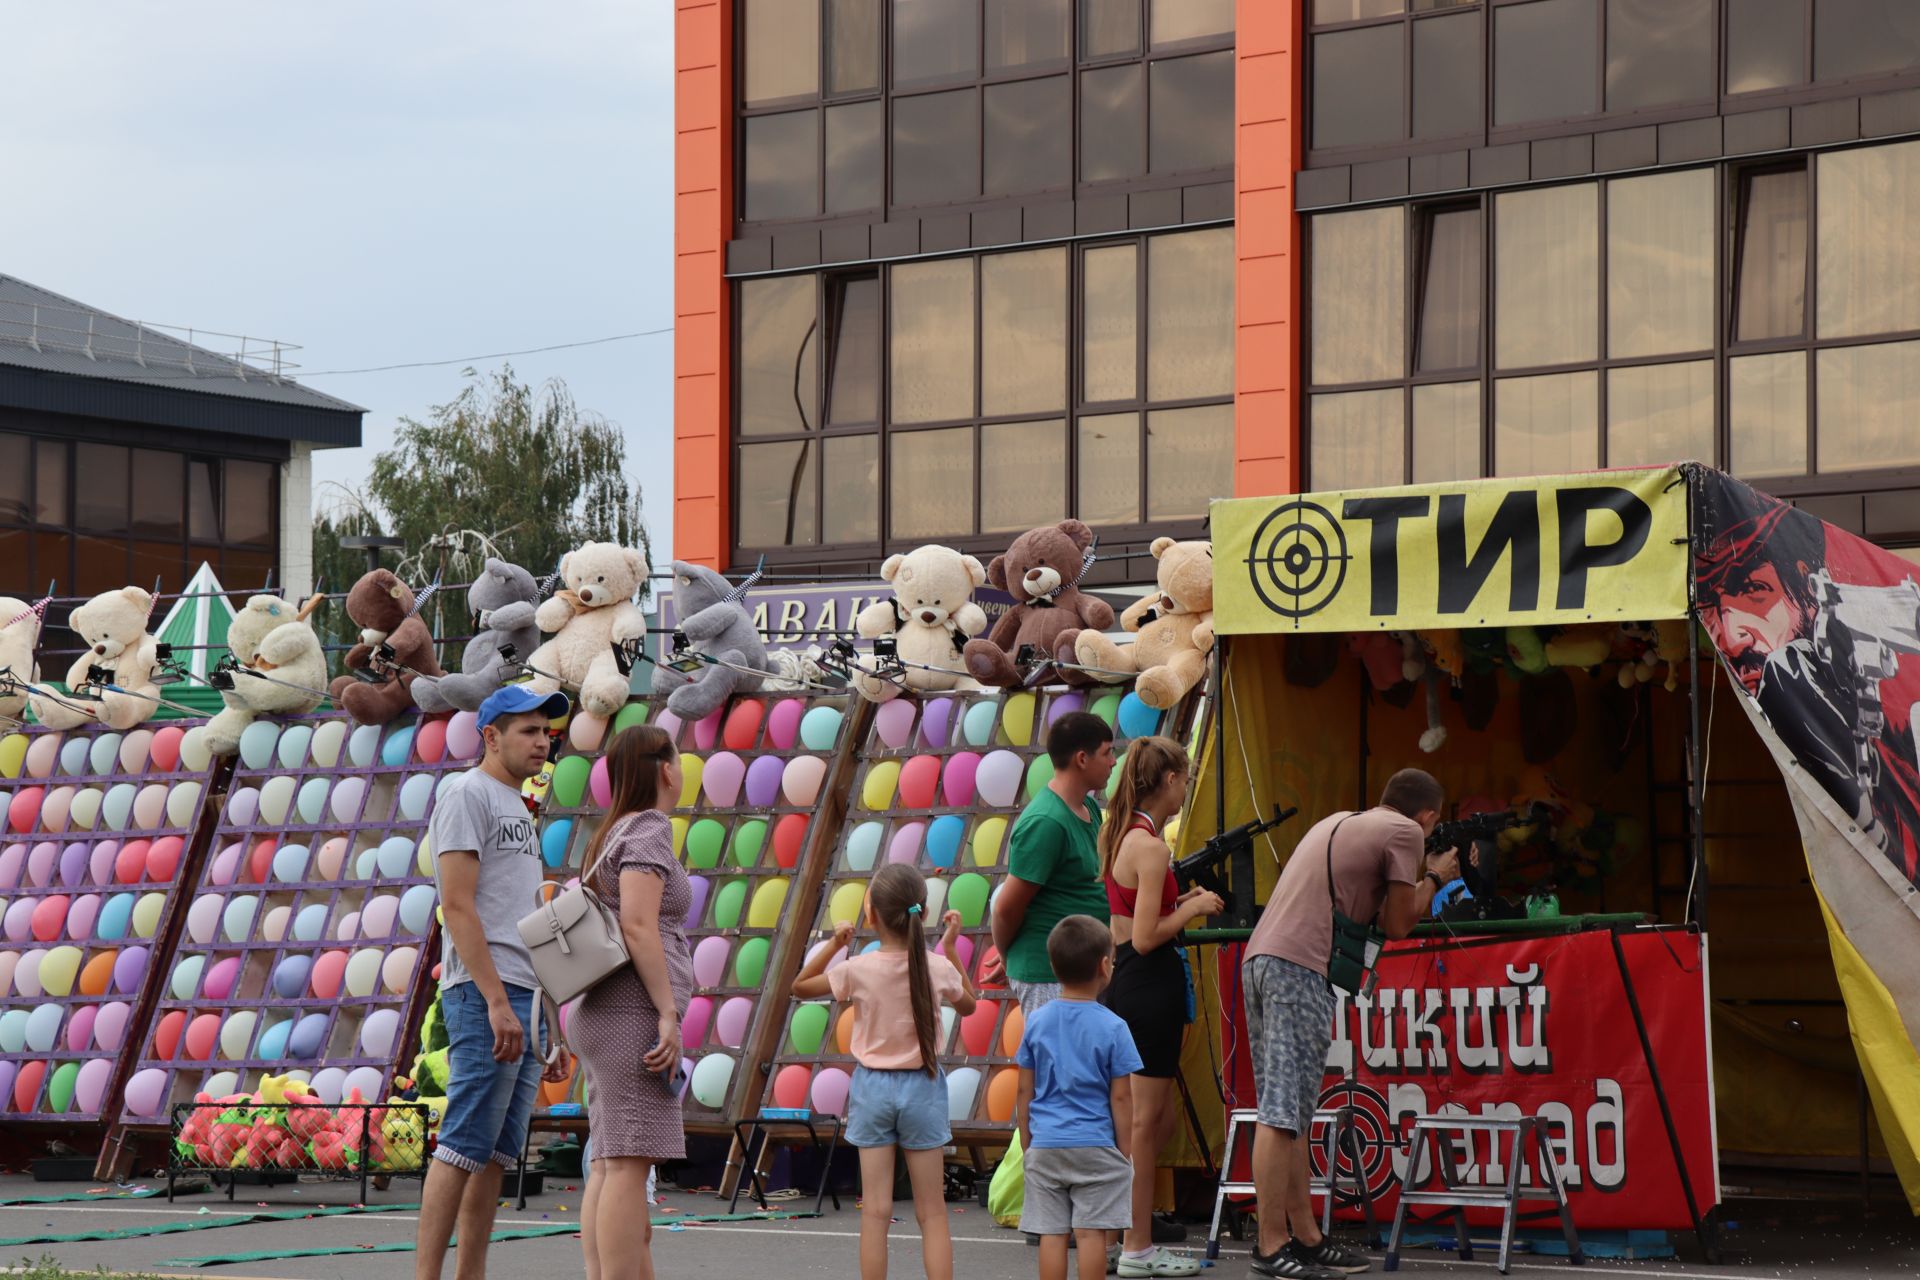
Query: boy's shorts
{"x": 905, "y": 1109}
{"x": 1077, "y": 1189}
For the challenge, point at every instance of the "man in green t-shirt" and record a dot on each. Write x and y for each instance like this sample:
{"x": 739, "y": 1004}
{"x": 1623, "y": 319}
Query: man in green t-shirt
{"x": 1053, "y": 861}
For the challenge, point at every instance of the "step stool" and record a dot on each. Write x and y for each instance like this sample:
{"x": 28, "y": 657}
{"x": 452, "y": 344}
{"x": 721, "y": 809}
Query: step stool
{"x": 763, "y": 1125}
{"x": 1340, "y": 1136}
{"x": 1429, "y": 1148}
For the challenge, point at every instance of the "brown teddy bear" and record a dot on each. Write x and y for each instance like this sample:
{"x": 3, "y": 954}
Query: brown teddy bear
{"x": 380, "y": 603}
{"x": 1174, "y": 627}
{"x": 1041, "y": 571}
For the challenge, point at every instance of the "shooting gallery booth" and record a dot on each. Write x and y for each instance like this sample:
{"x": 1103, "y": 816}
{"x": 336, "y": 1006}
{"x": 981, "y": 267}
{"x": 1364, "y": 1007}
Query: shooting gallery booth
{"x": 1672, "y": 703}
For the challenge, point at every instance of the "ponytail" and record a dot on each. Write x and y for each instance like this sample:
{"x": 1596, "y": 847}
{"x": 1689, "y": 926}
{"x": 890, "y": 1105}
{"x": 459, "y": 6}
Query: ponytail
{"x": 899, "y": 897}
{"x": 1149, "y": 763}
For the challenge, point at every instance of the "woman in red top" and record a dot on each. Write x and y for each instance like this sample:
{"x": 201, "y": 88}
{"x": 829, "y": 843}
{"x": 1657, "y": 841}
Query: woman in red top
{"x": 1149, "y": 988}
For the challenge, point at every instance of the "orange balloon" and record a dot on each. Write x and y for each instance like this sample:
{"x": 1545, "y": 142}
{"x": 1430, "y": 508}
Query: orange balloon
{"x": 1003, "y": 1090}
{"x": 843, "y": 1031}
{"x": 1011, "y": 1029}
{"x": 552, "y": 1094}
{"x": 98, "y": 975}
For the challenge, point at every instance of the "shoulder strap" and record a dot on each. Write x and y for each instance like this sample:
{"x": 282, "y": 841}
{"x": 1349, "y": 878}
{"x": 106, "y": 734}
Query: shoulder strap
{"x": 1330, "y": 835}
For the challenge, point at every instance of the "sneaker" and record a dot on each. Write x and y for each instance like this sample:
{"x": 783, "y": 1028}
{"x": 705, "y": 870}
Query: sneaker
{"x": 1113, "y": 1259}
{"x": 1287, "y": 1265}
{"x": 1168, "y": 1229}
{"x": 1159, "y": 1262}
{"x": 1333, "y": 1255}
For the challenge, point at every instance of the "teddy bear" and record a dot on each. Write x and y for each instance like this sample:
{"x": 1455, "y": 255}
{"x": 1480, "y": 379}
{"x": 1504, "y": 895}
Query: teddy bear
{"x": 269, "y": 637}
{"x": 1041, "y": 571}
{"x": 1173, "y": 627}
{"x": 931, "y": 617}
{"x": 19, "y": 635}
{"x": 382, "y": 605}
{"x": 719, "y": 626}
{"x": 591, "y": 613}
{"x": 113, "y": 626}
{"x": 502, "y": 598}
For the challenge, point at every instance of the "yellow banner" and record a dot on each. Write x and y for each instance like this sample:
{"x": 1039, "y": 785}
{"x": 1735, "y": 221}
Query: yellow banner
{"x": 1607, "y": 546}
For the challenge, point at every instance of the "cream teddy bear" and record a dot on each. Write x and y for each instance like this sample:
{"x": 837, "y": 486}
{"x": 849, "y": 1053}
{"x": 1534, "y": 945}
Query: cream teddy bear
{"x": 586, "y": 619}
{"x": 269, "y": 637}
{"x": 932, "y": 616}
{"x": 113, "y": 626}
{"x": 19, "y": 634}
{"x": 1173, "y": 626}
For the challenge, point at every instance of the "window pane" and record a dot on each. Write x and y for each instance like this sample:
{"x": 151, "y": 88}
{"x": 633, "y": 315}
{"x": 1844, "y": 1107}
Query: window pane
{"x": 1110, "y": 302}
{"x": 1109, "y": 28}
{"x": 1546, "y": 276}
{"x": 1192, "y": 117}
{"x": 1023, "y": 334}
{"x": 1359, "y": 440}
{"x": 1190, "y": 314}
{"x": 165, "y": 562}
{"x": 853, "y": 46}
{"x": 239, "y": 567}
{"x": 52, "y": 559}
{"x": 251, "y": 516}
{"x": 1189, "y": 460}
{"x": 852, "y": 479}
{"x": 1446, "y": 432}
{"x": 854, "y": 160}
{"x": 203, "y": 500}
{"x": 1660, "y": 413}
{"x": 783, "y": 49}
{"x": 783, "y": 166}
{"x": 932, "y": 354}
{"x": 1767, "y": 415}
{"x": 1023, "y": 32}
{"x": 936, "y": 148}
{"x": 1029, "y": 135}
{"x": 1868, "y": 244}
{"x": 1113, "y": 133}
{"x": 1355, "y": 10}
{"x": 1660, "y": 264}
{"x": 1190, "y": 20}
{"x": 1547, "y": 425}
{"x": 50, "y": 482}
{"x": 930, "y": 483}
{"x": 934, "y": 40}
{"x": 1023, "y": 475}
{"x": 1448, "y": 66}
{"x": 853, "y": 385}
{"x": 1359, "y": 86}
{"x": 16, "y": 478}
{"x": 1359, "y": 296}
{"x": 100, "y": 497}
{"x": 99, "y": 564}
{"x": 1869, "y": 399}
{"x": 1658, "y": 52}
{"x": 159, "y": 499}
{"x": 1450, "y": 292}
{"x": 1766, "y": 44}
{"x": 1543, "y": 67}
{"x": 1109, "y": 488}
{"x": 1770, "y": 278}
{"x": 1864, "y": 38}
{"x": 774, "y": 494}
{"x": 779, "y": 357}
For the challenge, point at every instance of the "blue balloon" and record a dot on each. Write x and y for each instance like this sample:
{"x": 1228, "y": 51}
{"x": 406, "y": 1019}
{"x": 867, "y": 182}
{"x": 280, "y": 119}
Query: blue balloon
{"x": 273, "y": 1041}
{"x": 307, "y": 1036}
{"x": 290, "y": 976}
{"x": 1136, "y": 718}
{"x": 554, "y": 841}
{"x": 871, "y": 946}
{"x": 398, "y": 747}
{"x": 945, "y": 835}
{"x": 115, "y": 915}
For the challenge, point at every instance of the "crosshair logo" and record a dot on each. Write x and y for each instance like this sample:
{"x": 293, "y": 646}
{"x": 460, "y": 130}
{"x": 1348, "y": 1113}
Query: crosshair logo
{"x": 1368, "y": 1148}
{"x": 1298, "y": 559}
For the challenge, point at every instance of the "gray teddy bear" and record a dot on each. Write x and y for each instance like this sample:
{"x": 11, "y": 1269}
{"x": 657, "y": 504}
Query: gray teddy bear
{"x": 717, "y": 625}
{"x": 503, "y": 598}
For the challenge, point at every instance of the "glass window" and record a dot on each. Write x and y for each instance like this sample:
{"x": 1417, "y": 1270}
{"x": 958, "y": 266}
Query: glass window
{"x": 1359, "y": 86}
{"x": 1660, "y": 413}
{"x": 203, "y": 500}
{"x": 1190, "y": 20}
{"x": 1109, "y": 28}
{"x": 250, "y": 513}
{"x": 854, "y": 159}
{"x": 1869, "y": 399}
{"x": 100, "y": 499}
{"x": 774, "y": 494}
{"x": 49, "y": 482}
{"x": 1867, "y": 244}
{"x": 1021, "y": 33}
{"x": 936, "y": 148}
{"x": 1548, "y": 425}
{"x": 1325, "y": 11}
{"x": 934, "y": 40}
{"x": 1770, "y": 270}
{"x": 1766, "y": 44}
{"x": 1449, "y": 336}
{"x": 930, "y": 484}
{"x": 1446, "y": 432}
{"x": 853, "y": 380}
{"x": 159, "y": 500}
{"x": 1767, "y": 414}
{"x": 853, "y": 46}
{"x": 1449, "y": 59}
{"x": 1190, "y": 314}
{"x": 1192, "y": 116}
{"x": 851, "y": 508}
{"x": 165, "y": 563}
{"x": 1543, "y": 65}
{"x": 783, "y": 165}
{"x": 1113, "y": 119}
{"x": 52, "y": 558}
{"x": 1546, "y": 276}
{"x": 1023, "y": 334}
{"x": 1023, "y": 475}
{"x": 1659, "y": 52}
{"x": 1359, "y": 296}
{"x": 1109, "y": 450}
{"x": 1864, "y": 38}
{"x": 16, "y": 479}
{"x": 1029, "y": 127}
{"x": 783, "y": 49}
{"x": 1110, "y": 349}
{"x": 1660, "y": 261}
{"x": 1359, "y": 440}
{"x": 931, "y": 357}
{"x": 1189, "y": 460}
{"x": 779, "y": 359}
{"x": 99, "y": 563}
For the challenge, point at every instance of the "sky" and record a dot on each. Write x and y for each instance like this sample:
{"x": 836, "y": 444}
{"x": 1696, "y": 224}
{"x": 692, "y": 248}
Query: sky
{"x": 379, "y": 183}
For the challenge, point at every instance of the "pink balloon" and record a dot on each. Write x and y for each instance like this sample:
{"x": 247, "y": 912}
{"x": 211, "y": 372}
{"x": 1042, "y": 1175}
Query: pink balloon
{"x": 80, "y": 1028}
{"x": 50, "y": 917}
{"x": 13, "y": 859}
{"x": 110, "y": 1026}
{"x": 763, "y": 780}
{"x": 906, "y": 842}
{"x": 700, "y": 886}
{"x": 783, "y": 722}
{"x": 146, "y": 1091}
{"x": 81, "y": 915}
{"x": 218, "y": 984}
{"x": 9, "y": 960}
{"x": 377, "y": 917}
{"x": 963, "y": 947}
{"x": 693, "y": 1028}
{"x": 710, "y": 961}
{"x": 706, "y": 731}
{"x": 802, "y": 779}
{"x": 430, "y": 741}
{"x": 17, "y": 924}
{"x": 164, "y": 751}
{"x": 53, "y": 810}
{"x": 99, "y": 863}
{"x": 830, "y": 1091}
{"x": 731, "y": 1022}
{"x": 668, "y": 723}
{"x": 23, "y": 811}
{"x": 41, "y": 861}
{"x": 721, "y": 778}
{"x": 90, "y": 1086}
{"x": 463, "y": 736}
{"x": 958, "y": 782}
{"x": 226, "y": 865}
{"x": 937, "y": 722}
{"x": 919, "y": 779}
{"x": 894, "y": 723}
{"x": 600, "y": 784}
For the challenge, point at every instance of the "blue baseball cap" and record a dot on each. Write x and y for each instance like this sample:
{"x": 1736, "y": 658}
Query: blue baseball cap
{"x": 512, "y": 699}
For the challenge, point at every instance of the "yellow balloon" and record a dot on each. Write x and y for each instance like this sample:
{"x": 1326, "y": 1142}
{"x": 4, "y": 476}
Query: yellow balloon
{"x": 844, "y": 906}
{"x": 690, "y": 770}
{"x": 988, "y": 838}
{"x": 679, "y": 826}
{"x": 423, "y": 856}
{"x": 1016, "y": 719}
{"x": 762, "y": 913}
{"x": 877, "y": 792}
{"x": 13, "y": 754}
{"x": 146, "y": 913}
{"x": 58, "y": 969}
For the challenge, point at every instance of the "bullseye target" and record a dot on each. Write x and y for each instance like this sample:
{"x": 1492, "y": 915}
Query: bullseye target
{"x": 1368, "y": 1146}
{"x": 1297, "y": 559}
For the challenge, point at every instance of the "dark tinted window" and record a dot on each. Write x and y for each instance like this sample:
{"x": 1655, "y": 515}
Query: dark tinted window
{"x": 1113, "y": 126}
{"x": 854, "y": 156}
{"x": 250, "y": 513}
{"x": 783, "y": 165}
{"x": 853, "y": 45}
{"x": 852, "y": 498}
{"x": 1109, "y": 28}
{"x": 936, "y": 148}
{"x": 49, "y": 482}
{"x": 1176, "y": 20}
{"x": 159, "y": 499}
{"x": 16, "y": 478}
{"x": 782, "y": 49}
{"x": 779, "y": 357}
{"x": 163, "y": 562}
{"x": 1449, "y": 283}
{"x": 853, "y": 385}
{"x": 203, "y": 500}
{"x": 1864, "y": 37}
{"x": 1658, "y": 52}
{"x": 1192, "y": 125}
{"x": 1023, "y": 32}
{"x": 1766, "y": 44}
{"x": 774, "y": 494}
{"x": 1543, "y": 64}
{"x": 934, "y": 40}
{"x": 1449, "y": 59}
{"x": 1770, "y": 275}
{"x": 100, "y": 564}
{"x": 1325, "y": 11}
{"x": 1359, "y": 86}
{"x": 100, "y": 499}
{"x": 1029, "y": 127}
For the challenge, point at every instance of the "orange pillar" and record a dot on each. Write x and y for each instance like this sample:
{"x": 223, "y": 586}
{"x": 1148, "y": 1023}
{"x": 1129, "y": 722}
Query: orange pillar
{"x": 1268, "y": 146}
{"x": 702, "y": 316}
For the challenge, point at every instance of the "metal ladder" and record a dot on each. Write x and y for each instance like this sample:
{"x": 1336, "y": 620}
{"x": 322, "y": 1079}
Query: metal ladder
{"x": 1336, "y": 1124}
{"x": 1430, "y": 1139}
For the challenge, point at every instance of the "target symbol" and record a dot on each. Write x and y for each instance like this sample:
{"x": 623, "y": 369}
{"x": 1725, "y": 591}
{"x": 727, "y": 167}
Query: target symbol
{"x": 1298, "y": 559}
{"x": 1368, "y": 1146}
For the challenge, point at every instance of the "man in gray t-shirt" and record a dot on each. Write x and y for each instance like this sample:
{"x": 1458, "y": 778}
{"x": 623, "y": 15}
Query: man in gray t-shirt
{"x": 482, "y": 816}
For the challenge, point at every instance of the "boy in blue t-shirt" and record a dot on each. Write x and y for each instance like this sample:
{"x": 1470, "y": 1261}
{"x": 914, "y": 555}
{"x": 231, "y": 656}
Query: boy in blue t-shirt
{"x": 1075, "y": 1108}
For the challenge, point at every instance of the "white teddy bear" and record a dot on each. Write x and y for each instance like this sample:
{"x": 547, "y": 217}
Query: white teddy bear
{"x": 593, "y": 613}
{"x": 269, "y": 637}
{"x": 932, "y": 616}
{"x": 113, "y": 625}
{"x": 19, "y": 633}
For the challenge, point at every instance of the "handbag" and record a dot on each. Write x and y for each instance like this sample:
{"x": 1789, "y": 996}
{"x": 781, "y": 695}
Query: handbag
{"x": 574, "y": 940}
{"x": 1356, "y": 946}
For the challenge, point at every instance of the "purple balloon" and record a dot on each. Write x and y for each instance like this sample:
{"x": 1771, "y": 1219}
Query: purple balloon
{"x": 73, "y": 864}
{"x": 763, "y": 781}
{"x": 700, "y": 885}
{"x": 128, "y": 969}
{"x": 303, "y": 1043}
{"x": 8, "y": 1070}
{"x": 906, "y": 842}
{"x": 936, "y": 722}
{"x": 1060, "y": 706}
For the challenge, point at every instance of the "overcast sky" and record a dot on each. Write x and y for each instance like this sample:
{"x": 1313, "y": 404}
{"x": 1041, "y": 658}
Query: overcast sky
{"x": 377, "y": 182}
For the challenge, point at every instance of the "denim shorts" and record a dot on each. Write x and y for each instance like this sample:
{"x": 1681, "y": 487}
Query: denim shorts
{"x": 488, "y": 1103}
{"x": 905, "y": 1109}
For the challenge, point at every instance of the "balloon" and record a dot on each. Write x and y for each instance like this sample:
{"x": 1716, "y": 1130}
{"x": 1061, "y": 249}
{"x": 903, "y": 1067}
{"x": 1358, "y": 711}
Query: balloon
{"x": 165, "y": 748}
{"x": 328, "y": 1084}
{"x": 310, "y": 802}
{"x": 237, "y": 918}
{"x": 85, "y": 810}
{"x": 1003, "y": 1087}
{"x": 129, "y": 968}
{"x": 26, "y": 974}
{"x": 43, "y": 756}
{"x": 430, "y": 741}
{"x": 728, "y": 903}
{"x": 310, "y": 925}
{"x": 750, "y": 962}
{"x": 570, "y": 781}
{"x": 396, "y": 971}
{"x": 378, "y": 915}
{"x": 748, "y": 839}
{"x": 1016, "y": 719}
{"x": 163, "y": 859}
{"x": 74, "y": 754}
{"x": 367, "y": 1080}
{"x": 919, "y": 777}
{"x": 308, "y": 1034}
{"x": 876, "y": 793}
{"x": 220, "y": 1084}
{"x": 1010, "y": 1031}
{"x": 395, "y": 856}
{"x": 764, "y": 911}
{"x": 328, "y": 739}
{"x": 710, "y": 961}
{"x": 225, "y": 866}
{"x": 117, "y": 806}
{"x": 783, "y": 723}
{"x": 705, "y": 840}
{"x": 692, "y": 768}
{"x": 13, "y": 755}
{"x": 131, "y": 864}
{"x": 13, "y": 859}
{"x": 221, "y": 977}
{"x": 730, "y": 1023}
{"x": 1039, "y": 771}
{"x": 1065, "y": 703}
{"x": 9, "y": 960}
{"x": 963, "y": 1086}
{"x": 843, "y": 1031}
{"x": 416, "y": 793}
{"x": 185, "y": 983}
{"x": 43, "y": 1027}
{"x": 893, "y": 723}
{"x": 149, "y": 806}
{"x": 272, "y": 803}
{"x": 116, "y": 914}
{"x": 978, "y": 724}
{"x": 600, "y": 784}
{"x": 196, "y": 753}
{"x": 905, "y": 845}
{"x": 802, "y": 780}
{"x": 463, "y": 735}
{"x": 763, "y": 781}
{"x": 790, "y": 1084}
{"x": 23, "y": 811}
{"x": 328, "y": 970}
{"x": 706, "y": 731}
{"x": 291, "y": 974}
{"x": 146, "y": 914}
{"x": 80, "y": 1028}
{"x": 256, "y": 743}
{"x": 693, "y": 1029}
{"x": 829, "y": 1093}
{"x": 722, "y": 776}
{"x": 42, "y": 861}
{"x": 945, "y": 834}
{"x": 259, "y": 862}
{"x": 820, "y": 728}
{"x": 554, "y": 841}
{"x": 998, "y": 778}
{"x": 363, "y": 972}
{"x": 49, "y": 917}
{"x": 377, "y": 1033}
{"x": 976, "y": 1029}
{"x": 290, "y": 861}
{"x": 711, "y": 1077}
{"x": 103, "y": 754}
{"x": 110, "y": 1026}
{"x": 291, "y": 751}
{"x": 348, "y": 795}
{"x": 807, "y": 1028}
{"x": 957, "y": 782}
{"x": 628, "y": 716}
{"x": 97, "y": 975}
{"x": 1136, "y": 718}
{"x": 332, "y": 857}
{"x": 273, "y": 1041}
{"x": 13, "y": 1031}
{"x": 416, "y": 909}
{"x": 968, "y": 896}
{"x": 669, "y": 724}
{"x": 697, "y": 905}
{"x": 844, "y": 906}
{"x": 183, "y": 802}
{"x": 145, "y": 1092}
{"x": 18, "y": 920}
{"x": 678, "y": 826}
{"x": 236, "y": 1033}
{"x": 90, "y": 1085}
{"x": 742, "y": 729}
{"x": 78, "y": 921}
{"x": 362, "y": 744}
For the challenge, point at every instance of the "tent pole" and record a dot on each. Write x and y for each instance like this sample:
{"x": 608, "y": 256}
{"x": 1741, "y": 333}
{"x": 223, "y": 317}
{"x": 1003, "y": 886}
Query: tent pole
{"x": 1219, "y": 736}
{"x": 1696, "y": 787}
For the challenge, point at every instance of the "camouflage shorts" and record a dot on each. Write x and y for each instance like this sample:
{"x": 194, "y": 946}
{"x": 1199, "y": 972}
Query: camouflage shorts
{"x": 1289, "y": 1028}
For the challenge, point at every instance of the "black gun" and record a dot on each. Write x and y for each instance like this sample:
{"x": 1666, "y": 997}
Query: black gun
{"x": 1233, "y": 851}
{"x": 1460, "y": 833}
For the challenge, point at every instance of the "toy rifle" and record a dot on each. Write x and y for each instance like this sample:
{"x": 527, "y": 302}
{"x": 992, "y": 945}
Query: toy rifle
{"x": 1233, "y": 851}
{"x": 1461, "y": 833}
{"x": 100, "y": 680}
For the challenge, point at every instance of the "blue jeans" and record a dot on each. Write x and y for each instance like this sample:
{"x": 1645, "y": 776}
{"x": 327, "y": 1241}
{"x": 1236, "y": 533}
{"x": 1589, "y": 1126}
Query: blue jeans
{"x": 489, "y": 1103}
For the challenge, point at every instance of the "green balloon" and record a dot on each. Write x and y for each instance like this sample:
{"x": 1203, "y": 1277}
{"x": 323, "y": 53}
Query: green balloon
{"x": 1113, "y": 779}
{"x": 705, "y": 840}
{"x": 968, "y": 895}
{"x": 750, "y": 963}
{"x": 60, "y": 1087}
{"x": 628, "y": 716}
{"x": 728, "y": 904}
{"x": 808, "y": 1028}
{"x": 570, "y": 781}
{"x": 1039, "y": 773}
{"x": 747, "y": 842}
{"x": 1107, "y": 708}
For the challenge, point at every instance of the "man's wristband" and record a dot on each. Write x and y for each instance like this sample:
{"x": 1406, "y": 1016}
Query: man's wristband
{"x": 1438, "y": 883}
